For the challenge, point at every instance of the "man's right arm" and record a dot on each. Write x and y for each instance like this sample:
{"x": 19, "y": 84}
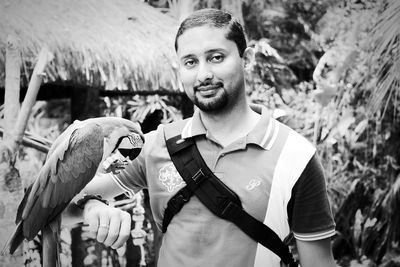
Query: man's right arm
{"x": 109, "y": 225}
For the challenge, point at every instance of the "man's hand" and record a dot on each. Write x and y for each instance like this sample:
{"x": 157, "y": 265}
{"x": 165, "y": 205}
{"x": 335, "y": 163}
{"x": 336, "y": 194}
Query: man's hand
{"x": 110, "y": 226}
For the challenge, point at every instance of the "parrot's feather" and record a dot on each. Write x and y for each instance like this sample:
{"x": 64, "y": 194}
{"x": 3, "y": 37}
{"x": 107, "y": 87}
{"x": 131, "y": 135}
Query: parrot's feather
{"x": 22, "y": 205}
{"x": 51, "y": 247}
{"x": 14, "y": 241}
{"x": 33, "y": 224}
{"x": 46, "y": 194}
{"x": 64, "y": 136}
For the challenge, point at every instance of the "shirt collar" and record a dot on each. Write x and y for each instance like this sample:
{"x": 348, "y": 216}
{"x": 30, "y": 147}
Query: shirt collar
{"x": 263, "y": 134}
{"x": 266, "y": 130}
{"x": 194, "y": 126}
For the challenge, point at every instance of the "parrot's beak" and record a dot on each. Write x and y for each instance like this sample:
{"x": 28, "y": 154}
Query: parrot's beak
{"x": 131, "y": 146}
{"x": 131, "y": 153}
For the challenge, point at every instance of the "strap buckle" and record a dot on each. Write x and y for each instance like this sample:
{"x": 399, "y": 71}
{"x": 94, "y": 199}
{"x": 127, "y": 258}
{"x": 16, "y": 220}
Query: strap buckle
{"x": 176, "y": 203}
{"x": 199, "y": 177}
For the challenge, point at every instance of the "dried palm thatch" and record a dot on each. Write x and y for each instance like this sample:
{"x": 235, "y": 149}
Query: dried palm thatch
{"x": 122, "y": 44}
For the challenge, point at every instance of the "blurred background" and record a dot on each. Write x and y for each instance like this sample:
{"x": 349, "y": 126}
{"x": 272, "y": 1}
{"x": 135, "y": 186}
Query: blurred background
{"x": 329, "y": 69}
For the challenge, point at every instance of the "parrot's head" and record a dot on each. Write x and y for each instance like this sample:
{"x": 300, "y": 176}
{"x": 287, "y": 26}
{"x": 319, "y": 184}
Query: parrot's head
{"x": 121, "y": 135}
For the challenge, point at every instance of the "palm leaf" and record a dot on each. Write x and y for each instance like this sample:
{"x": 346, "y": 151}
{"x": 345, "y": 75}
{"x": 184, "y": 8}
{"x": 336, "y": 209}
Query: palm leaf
{"x": 386, "y": 40}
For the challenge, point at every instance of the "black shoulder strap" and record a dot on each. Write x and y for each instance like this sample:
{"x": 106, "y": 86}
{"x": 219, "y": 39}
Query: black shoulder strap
{"x": 216, "y": 196}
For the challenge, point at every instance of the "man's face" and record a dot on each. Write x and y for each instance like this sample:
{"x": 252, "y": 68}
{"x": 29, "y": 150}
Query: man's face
{"x": 210, "y": 67}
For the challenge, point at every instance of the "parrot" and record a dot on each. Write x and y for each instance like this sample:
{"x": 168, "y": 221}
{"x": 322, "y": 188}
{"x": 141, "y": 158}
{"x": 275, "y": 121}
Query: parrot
{"x": 72, "y": 161}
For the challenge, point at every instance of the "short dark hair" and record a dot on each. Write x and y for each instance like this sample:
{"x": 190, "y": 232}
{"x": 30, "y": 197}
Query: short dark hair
{"x": 218, "y": 19}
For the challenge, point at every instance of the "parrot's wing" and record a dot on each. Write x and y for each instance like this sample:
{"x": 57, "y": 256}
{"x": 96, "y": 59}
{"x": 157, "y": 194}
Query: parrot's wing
{"x": 62, "y": 137}
{"x": 65, "y": 173}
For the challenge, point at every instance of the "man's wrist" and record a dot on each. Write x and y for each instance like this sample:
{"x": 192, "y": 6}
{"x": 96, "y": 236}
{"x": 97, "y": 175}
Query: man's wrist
{"x": 81, "y": 202}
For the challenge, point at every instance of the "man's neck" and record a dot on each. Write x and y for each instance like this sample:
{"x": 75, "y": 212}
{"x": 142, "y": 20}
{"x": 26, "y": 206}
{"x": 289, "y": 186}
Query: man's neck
{"x": 231, "y": 124}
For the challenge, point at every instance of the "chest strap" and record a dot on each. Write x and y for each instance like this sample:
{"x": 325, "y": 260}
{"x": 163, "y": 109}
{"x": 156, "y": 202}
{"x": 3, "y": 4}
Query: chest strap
{"x": 216, "y": 196}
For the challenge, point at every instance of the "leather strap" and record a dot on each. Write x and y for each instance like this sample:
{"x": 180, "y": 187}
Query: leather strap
{"x": 216, "y": 196}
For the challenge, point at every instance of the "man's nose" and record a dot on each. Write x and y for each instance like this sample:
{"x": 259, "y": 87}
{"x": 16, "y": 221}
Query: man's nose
{"x": 204, "y": 73}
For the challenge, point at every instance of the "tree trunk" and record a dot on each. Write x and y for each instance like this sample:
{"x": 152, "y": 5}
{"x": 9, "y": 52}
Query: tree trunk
{"x": 10, "y": 188}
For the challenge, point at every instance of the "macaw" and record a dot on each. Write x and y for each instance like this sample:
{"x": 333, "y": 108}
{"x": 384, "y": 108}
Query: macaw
{"x": 72, "y": 161}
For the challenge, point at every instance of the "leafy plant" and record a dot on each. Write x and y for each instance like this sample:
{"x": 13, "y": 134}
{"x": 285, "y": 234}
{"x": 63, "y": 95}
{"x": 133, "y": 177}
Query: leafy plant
{"x": 386, "y": 50}
{"x": 140, "y": 107}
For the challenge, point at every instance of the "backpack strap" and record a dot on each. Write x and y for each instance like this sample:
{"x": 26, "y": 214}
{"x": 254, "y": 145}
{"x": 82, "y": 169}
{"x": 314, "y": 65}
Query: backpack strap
{"x": 216, "y": 196}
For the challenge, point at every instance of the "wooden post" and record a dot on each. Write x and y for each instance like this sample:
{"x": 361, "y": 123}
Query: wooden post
{"x": 85, "y": 103}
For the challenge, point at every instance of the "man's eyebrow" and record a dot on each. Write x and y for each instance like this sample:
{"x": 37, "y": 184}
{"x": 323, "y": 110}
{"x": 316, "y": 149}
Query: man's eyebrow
{"x": 214, "y": 50}
{"x": 187, "y": 56}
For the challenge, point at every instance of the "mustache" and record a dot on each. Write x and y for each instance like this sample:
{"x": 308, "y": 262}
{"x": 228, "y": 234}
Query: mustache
{"x": 207, "y": 85}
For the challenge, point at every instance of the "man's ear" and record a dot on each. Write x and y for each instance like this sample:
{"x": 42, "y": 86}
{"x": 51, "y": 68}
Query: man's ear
{"x": 248, "y": 57}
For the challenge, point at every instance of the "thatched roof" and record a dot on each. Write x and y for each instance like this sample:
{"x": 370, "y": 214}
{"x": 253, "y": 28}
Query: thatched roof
{"x": 123, "y": 44}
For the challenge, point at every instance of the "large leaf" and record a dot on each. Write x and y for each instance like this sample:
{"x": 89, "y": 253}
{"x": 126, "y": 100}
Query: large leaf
{"x": 386, "y": 40}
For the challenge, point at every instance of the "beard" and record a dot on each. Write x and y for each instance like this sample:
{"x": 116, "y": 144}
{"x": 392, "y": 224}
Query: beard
{"x": 214, "y": 102}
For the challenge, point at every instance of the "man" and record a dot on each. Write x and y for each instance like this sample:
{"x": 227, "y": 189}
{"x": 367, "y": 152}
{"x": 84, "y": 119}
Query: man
{"x": 271, "y": 168}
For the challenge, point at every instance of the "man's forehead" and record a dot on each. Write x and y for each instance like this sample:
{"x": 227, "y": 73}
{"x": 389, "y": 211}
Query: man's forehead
{"x": 201, "y": 35}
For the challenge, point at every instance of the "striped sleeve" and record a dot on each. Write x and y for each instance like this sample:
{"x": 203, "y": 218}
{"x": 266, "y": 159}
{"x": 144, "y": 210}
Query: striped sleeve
{"x": 309, "y": 213}
{"x": 133, "y": 179}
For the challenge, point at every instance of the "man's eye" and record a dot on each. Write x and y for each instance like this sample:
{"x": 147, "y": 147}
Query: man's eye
{"x": 217, "y": 58}
{"x": 189, "y": 63}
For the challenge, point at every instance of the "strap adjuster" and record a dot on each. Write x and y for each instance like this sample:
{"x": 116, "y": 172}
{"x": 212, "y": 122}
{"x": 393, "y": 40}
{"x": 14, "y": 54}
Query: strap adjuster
{"x": 199, "y": 176}
{"x": 231, "y": 211}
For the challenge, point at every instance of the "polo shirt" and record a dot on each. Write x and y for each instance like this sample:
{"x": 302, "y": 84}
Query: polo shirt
{"x": 272, "y": 169}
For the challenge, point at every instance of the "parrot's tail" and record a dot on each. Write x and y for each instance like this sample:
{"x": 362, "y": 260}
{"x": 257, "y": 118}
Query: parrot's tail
{"x": 50, "y": 247}
{"x": 14, "y": 241}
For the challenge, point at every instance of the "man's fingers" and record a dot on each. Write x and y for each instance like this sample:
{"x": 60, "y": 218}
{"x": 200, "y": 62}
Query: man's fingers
{"x": 110, "y": 226}
{"x": 124, "y": 231}
{"x": 92, "y": 225}
{"x": 113, "y": 231}
{"x": 103, "y": 227}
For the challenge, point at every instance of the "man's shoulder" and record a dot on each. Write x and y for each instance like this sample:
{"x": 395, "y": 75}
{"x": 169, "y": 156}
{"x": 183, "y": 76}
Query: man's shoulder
{"x": 174, "y": 128}
{"x": 158, "y": 134}
{"x": 294, "y": 134}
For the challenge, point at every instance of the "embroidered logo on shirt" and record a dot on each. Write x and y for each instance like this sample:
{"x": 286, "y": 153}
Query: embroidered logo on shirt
{"x": 253, "y": 184}
{"x": 170, "y": 178}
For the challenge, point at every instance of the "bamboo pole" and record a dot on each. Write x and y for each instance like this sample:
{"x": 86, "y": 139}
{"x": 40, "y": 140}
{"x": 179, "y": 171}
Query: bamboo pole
{"x": 30, "y": 98}
{"x": 30, "y": 140}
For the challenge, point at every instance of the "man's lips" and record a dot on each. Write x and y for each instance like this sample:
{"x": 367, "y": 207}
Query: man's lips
{"x": 207, "y": 90}
{"x": 208, "y": 87}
